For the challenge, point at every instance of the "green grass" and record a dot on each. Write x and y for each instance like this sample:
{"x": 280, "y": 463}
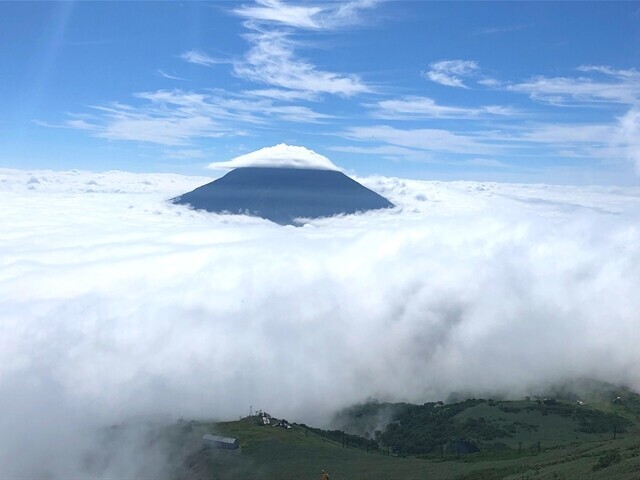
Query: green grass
{"x": 569, "y": 449}
{"x": 273, "y": 453}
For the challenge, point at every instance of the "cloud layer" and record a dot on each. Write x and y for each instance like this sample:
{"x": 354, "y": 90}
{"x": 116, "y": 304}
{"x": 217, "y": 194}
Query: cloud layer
{"x": 117, "y": 304}
{"x": 279, "y": 156}
{"x": 452, "y": 72}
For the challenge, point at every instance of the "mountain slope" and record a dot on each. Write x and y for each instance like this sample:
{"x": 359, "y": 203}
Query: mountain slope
{"x": 273, "y": 453}
{"x": 284, "y": 194}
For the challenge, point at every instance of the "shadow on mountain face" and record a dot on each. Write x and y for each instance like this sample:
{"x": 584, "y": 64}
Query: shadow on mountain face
{"x": 284, "y": 194}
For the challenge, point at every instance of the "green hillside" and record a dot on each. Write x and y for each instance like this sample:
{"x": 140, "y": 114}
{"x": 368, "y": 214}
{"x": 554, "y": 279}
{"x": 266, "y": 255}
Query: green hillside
{"x": 529, "y": 439}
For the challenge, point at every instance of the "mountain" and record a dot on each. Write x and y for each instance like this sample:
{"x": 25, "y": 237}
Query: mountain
{"x": 540, "y": 439}
{"x": 284, "y": 194}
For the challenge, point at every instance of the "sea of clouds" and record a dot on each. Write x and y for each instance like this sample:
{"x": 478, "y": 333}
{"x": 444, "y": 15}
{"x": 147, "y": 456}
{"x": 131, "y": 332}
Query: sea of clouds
{"x": 117, "y": 305}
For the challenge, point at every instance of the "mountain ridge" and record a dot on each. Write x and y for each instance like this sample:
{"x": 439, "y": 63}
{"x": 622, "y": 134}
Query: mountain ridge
{"x": 283, "y": 195}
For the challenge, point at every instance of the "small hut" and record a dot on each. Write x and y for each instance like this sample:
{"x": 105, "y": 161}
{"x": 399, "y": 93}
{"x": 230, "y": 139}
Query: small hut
{"x": 214, "y": 441}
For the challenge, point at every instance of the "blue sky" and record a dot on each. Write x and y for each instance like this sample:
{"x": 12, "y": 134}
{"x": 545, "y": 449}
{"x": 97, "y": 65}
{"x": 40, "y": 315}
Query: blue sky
{"x": 526, "y": 92}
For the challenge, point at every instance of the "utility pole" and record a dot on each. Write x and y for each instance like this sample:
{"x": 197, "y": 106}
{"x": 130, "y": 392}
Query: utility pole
{"x": 250, "y": 410}
{"x": 615, "y": 430}
{"x": 538, "y": 446}
{"x": 519, "y": 447}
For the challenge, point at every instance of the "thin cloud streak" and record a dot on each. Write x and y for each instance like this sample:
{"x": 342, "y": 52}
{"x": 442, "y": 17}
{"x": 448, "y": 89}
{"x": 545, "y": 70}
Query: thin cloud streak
{"x": 621, "y": 87}
{"x": 319, "y": 16}
{"x": 177, "y": 117}
{"x": 412, "y": 107}
{"x": 271, "y": 61}
{"x": 201, "y": 58}
{"x": 429, "y": 139}
{"x": 164, "y": 74}
{"x": 452, "y": 72}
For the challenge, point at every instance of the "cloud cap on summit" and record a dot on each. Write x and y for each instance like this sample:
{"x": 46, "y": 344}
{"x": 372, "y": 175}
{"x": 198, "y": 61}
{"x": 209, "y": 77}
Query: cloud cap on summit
{"x": 279, "y": 156}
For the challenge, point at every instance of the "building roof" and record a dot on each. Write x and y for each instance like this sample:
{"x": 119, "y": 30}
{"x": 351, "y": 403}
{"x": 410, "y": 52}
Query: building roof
{"x": 216, "y": 438}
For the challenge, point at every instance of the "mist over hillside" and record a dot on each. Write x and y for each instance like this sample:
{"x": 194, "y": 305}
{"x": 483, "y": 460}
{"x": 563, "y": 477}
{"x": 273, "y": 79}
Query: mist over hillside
{"x": 118, "y": 304}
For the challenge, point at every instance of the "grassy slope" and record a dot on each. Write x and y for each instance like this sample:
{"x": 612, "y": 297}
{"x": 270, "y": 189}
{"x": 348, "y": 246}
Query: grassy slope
{"x": 567, "y": 451}
{"x": 273, "y": 453}
{"x": 549, "y": 429}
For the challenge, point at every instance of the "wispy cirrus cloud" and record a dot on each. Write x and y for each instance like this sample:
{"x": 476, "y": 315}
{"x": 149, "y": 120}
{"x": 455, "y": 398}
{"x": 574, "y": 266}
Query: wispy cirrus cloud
{"x": 281, "y": 94}
{"x": 298, "y": 16}
{"x": 185, "y": 154}
{"x": 387, "y": 152}
{"x": 429, "y": 139}
{"x": 272, "y": 61}
{"x": 592, "y": 143}
{"x": 451, "y": 72}
{"x": 618, "y": 86}
{"x": 176, "y": 117}
{"x": 411, "y": 107}
{"x": 608, "y": 70}
{"x": 318, "y": 16}
{"x": 201, "y": 58}
{"x": 155, "y": 124}
{"x": 168, "y": 76}
{"x": 485, "y": 163}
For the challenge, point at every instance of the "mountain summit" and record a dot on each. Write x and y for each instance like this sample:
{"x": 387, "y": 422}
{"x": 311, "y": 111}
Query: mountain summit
{"x": 284, "y": 194}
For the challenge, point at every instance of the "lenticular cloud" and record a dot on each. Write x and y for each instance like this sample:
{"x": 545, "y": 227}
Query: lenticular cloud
{"x": 116, "y": 303}
{"x": 281, "y": 155}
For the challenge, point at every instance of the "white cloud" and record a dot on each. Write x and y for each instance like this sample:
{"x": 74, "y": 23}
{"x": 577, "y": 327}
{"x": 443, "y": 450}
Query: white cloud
{"x": 485, "y": 162}
{"x": 156, "y": 124}
{"x": 564, "y": 134}
{"x": 281, "y": 155}
{"x": 164, "y": 74}
{"x": 200, "y": 58}
{"x": 613, "y": 142}
{"x": 621, "y": 86}
{"x": 430, "y": 139}
{"x": 271, "y": 60}
{"x": 293, "y": 113}
{"x": 388, "y": 152}
{"x": 177, "y": 117}
{"x": 280, "y": 94}
{"x": 79, "y": 124}
{"x": 185, "y": 153}
{"x": 415, "y": 106}
{"x": 318, "y": 16}
{"x": 283, "y": 13}
{"x": 627, "y": 136}
{"x": 116, "y": 303}
{"x": 490, "y": 82}
{"x": 608, "y": 70}
{"x": 452, "y": 72}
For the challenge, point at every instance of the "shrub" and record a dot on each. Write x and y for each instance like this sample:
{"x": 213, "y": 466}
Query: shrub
{"x": 607, "y": 460}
